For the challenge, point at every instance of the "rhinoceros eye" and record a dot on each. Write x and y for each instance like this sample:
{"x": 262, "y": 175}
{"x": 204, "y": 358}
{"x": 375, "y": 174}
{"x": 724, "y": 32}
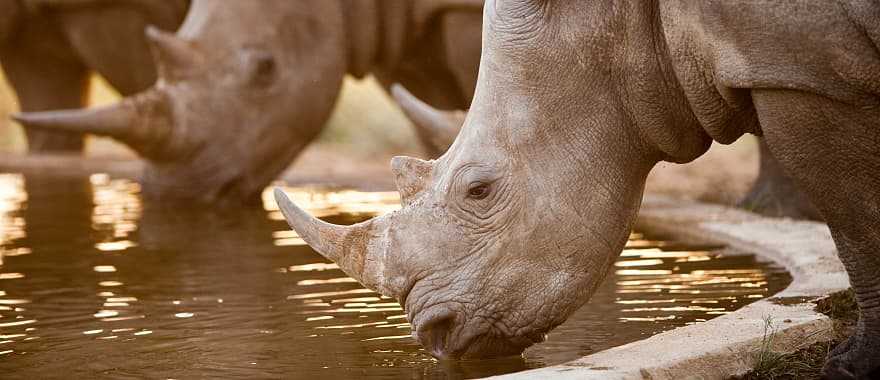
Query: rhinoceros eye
{"x": 260, "y": 67}
{"x": 478, "y": 191}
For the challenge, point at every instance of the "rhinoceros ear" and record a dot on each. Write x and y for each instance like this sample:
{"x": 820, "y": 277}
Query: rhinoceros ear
{"x": 411, "y": 176}
{"x": 175, "y": 57}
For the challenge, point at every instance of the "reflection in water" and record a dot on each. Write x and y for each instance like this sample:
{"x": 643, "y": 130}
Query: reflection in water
{"x": 124, "y": 289}
{"x": 12, "y": 195}
{"x": 352, "y": 204}
{"x": 116, "y": 212}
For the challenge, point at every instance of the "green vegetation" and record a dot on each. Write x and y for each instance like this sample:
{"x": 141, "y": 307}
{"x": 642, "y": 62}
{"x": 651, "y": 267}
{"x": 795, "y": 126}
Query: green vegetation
{"x": 807, "y": 362}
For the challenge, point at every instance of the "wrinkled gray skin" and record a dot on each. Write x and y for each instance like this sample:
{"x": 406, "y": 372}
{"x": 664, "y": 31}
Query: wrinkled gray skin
{"x": 509, "y": 232}
{"x": 773, "y": 193}
{"x": 48, "y": 49}
{"x": 244, "y": 86}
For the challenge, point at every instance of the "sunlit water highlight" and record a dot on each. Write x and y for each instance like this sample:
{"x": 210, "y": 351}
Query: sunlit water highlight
{"x": 95, "y": 282}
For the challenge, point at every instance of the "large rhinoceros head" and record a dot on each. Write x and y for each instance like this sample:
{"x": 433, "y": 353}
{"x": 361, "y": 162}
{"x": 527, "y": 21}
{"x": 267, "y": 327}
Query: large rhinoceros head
{"x": 498, "y": 241}
{"x": 243, "y": 87}
{"x": 512, "y": 229}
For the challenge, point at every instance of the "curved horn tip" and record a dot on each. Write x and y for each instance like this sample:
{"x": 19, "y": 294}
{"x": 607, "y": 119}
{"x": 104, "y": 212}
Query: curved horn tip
{"x": 321, "y": 236}
{"x": 27, "y": 118}
{"x": 293, "y": 214}
{"x": 403, "y": 96}
{"x": 423, "y": 115}
{"x": 45, "y": 119}
{"x": 116, "y": 120}
{"x": 20, "y": 118}
{"x": 286, "y": 206}
{"x": 155, "y": 33}
{"x": 397, "y": 89}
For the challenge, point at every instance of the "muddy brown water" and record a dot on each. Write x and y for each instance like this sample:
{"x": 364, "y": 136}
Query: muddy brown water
{"x": 94, "y": 282}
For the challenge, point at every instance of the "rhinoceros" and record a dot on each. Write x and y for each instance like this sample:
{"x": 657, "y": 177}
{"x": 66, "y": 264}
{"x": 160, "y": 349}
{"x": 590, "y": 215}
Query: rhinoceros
{"x": 49, "y": 47}
{"x": 244, "y": 86}
{"x": 510, "y": 231}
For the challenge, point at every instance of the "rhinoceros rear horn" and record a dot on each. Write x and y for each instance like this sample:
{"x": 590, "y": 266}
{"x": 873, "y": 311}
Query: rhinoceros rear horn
{"x": 439, "y": 128}
{"x": 174, "y": 56}
{"x": 140, "y": 121}
{"x": 410, "y": 175}
{"x": 357, "y": 249}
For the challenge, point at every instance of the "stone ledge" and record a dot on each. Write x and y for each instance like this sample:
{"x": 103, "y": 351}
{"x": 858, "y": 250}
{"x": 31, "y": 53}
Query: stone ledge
{"x": 722, "y": 347}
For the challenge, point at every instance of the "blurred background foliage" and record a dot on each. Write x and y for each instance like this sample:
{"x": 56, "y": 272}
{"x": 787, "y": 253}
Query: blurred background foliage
{"x": 366, "y": 122}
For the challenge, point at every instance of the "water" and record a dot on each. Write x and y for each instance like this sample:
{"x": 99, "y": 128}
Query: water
{"x": 95, "y": 282}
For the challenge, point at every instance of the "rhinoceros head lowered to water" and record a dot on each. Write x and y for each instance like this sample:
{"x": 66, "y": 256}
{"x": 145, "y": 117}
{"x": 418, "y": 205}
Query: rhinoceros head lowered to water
{"x": 509, "y": 232}
{"x": 244, "y": 87}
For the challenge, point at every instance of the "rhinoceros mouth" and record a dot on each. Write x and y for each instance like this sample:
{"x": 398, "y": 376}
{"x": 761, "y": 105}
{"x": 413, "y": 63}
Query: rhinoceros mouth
{"x": 451, "y": 335}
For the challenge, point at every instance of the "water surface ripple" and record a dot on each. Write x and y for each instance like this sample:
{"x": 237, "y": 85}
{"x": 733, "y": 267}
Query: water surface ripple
{"x": 94, "y": 282}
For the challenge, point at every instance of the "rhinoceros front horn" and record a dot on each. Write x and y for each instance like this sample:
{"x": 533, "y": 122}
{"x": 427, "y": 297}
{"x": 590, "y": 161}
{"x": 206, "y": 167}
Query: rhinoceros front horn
{"x": 143, "y": 121}
{"x": 359, "y": 250}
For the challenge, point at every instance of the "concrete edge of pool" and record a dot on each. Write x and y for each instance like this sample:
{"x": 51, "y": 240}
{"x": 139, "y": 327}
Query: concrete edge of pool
{"x": 723, "y": 346}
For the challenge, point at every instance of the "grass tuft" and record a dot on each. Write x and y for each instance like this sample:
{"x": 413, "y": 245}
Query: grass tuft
{"x": 807, "y": 362}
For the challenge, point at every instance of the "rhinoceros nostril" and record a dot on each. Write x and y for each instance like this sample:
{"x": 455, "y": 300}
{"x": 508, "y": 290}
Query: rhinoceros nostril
{"x": 435, "y": 334}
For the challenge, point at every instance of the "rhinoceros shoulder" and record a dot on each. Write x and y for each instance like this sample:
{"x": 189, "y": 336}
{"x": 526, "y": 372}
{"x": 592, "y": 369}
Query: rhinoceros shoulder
{"x": 823, "y": 47}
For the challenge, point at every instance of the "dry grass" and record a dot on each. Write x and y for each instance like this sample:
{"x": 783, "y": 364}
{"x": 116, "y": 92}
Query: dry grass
{"x": 807, "y": 362}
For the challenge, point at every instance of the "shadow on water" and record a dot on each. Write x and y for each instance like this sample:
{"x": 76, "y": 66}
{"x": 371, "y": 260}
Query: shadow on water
{"x": 96, "y": 282}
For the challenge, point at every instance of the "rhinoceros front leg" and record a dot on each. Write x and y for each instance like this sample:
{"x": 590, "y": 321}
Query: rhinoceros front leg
{"x": 775, "y": 194}
{"x": 832, "y": 149}
{"x": 46, "y": 75}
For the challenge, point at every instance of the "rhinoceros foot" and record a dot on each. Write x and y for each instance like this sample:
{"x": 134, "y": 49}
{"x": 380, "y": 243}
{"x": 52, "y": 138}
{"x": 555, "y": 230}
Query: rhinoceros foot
{"x": 856, "y": 358}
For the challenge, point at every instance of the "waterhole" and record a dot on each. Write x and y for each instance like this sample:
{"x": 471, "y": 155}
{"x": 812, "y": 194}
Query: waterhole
{"x": 96, "y": 282}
